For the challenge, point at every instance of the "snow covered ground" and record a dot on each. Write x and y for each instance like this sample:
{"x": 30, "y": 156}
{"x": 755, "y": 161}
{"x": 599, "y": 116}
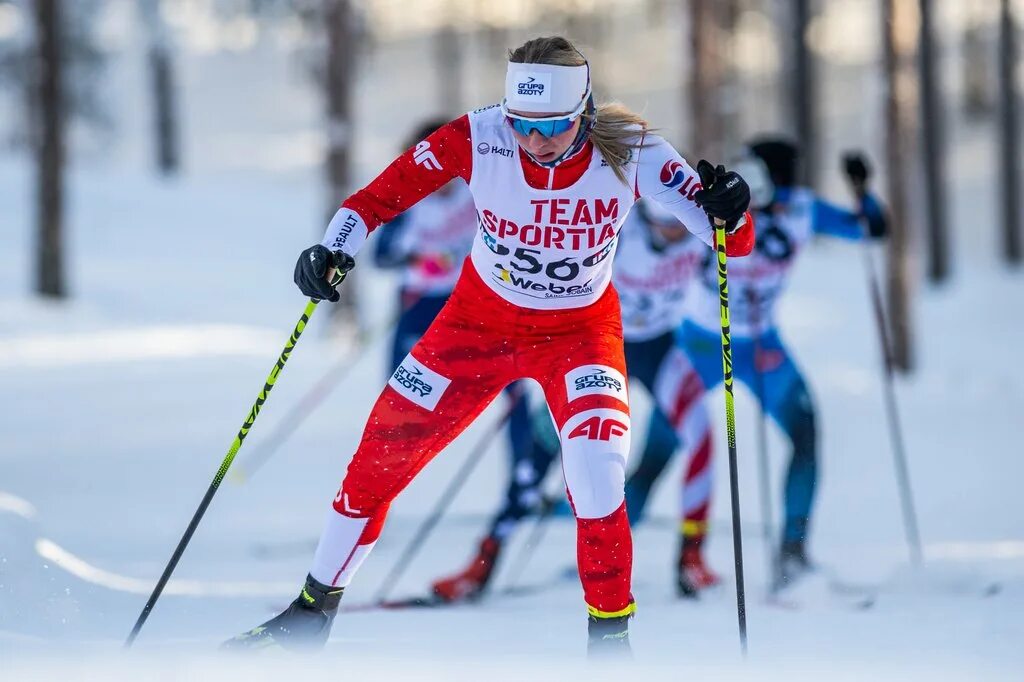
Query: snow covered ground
{"x": 118, "y": 406}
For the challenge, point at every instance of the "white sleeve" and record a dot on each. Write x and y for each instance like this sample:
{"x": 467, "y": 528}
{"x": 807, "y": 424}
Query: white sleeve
{"x": 664, "y": 176}
{"x": 346, "y": 232}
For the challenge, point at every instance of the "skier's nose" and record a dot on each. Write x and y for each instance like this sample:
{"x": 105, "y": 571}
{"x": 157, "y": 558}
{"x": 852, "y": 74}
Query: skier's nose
{"x": 537, "y": 141}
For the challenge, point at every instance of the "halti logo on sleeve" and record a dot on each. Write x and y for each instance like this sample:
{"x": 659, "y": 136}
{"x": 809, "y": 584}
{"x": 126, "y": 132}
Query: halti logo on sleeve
{"x": 595, "y": 380}
{"x": 418, "y": 383}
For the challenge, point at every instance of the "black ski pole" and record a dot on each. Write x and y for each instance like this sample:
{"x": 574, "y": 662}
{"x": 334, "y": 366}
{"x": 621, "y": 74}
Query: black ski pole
{"x": 730, "y": 421}
{"x": 431, "y": 521}
{"x": 763, "y": 461}
{"x": 892, "y": 413}
{"x": 343, "y": 264}
{"x": 533, "y": 540}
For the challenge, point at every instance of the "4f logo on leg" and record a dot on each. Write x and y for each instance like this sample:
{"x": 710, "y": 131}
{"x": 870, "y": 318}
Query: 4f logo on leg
{"x": 424, "y": 157}
{"x": 596, "y": 428}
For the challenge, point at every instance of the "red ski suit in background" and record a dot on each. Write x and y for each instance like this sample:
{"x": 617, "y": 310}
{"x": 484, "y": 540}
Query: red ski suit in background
{"x": 534, "y": 301}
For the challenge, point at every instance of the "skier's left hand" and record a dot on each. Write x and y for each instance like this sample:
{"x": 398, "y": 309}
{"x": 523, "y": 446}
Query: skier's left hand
{"x": 724, "y": 194}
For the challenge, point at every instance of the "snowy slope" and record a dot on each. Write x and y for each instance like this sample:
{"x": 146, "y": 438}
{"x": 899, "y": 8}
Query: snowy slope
{"x": 118, "y": 408}
{"x": 119, "y": 405}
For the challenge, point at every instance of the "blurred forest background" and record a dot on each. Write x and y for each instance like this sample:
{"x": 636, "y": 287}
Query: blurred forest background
{"x": 323, "y": 91}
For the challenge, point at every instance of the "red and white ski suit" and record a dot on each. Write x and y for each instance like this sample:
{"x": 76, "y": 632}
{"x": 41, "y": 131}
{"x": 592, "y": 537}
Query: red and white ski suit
{"x": 534, "y": 301}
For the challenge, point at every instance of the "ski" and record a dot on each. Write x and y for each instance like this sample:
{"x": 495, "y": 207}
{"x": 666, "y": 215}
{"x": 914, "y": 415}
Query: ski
{"x": 428, "y": 601}
{"x": 432, "y": 601}
{"x": 823, "y": 589}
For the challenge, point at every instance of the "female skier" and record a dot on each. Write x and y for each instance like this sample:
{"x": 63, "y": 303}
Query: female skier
{"x": 787, "y": 216}
{"x": 553, "y": 177}
{"x": 428, "y": 244}
{"x": 654, "y": 264}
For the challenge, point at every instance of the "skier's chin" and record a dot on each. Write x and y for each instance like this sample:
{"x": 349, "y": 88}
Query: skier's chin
{"x": 546, "y": 157}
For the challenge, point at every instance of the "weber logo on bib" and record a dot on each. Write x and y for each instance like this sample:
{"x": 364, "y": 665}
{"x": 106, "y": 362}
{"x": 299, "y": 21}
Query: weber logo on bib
{"x": 595, "y": 380}
{"x": 418, "y": 383}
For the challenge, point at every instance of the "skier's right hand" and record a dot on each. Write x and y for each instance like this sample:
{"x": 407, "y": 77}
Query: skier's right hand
{"x": 312, "y": 268}
{"x": 858, "y": 171}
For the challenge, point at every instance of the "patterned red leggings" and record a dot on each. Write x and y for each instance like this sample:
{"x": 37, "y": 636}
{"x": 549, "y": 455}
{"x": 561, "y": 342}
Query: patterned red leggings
{"x": 478, "y": 345}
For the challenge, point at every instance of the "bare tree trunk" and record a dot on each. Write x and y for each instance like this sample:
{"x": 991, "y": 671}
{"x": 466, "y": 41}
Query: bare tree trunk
{"x": 161, "y": 71}
{"x": 977, "y": 99}
{"x": 449, "y": 53}
{"x": 896, "y": 108}
{"x": 49, "y": 151}
{"x": 705, "y": 79}
{"x": 934, "y": 156}
{"x": 803, "y": 95}
{"x": 1009, "y": 142}
{"x": 729, "y": 93}
{"x": 341, "y": 53}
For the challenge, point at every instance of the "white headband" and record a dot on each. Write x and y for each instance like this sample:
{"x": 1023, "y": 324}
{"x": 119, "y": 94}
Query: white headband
{"x": 546, "y": 88}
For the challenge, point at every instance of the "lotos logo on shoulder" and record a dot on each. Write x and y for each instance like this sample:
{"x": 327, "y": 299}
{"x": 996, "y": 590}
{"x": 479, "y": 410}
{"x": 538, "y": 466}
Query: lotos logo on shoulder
{"x": 672, "y": 174}
{"x": 418, "y": 383}
{"x": 535, "y": 87}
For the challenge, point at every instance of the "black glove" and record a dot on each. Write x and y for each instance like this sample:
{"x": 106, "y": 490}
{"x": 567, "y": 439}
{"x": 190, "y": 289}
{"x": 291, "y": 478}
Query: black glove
{"x": 311, "y": 272}
{"x": 857, "y": 169}
{"x": 724, "y": 196}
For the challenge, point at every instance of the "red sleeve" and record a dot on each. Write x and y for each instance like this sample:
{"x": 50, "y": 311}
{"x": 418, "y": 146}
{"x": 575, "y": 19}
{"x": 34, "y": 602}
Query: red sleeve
{"x": 420, "y": 170}
{"x": 741, "y": 242}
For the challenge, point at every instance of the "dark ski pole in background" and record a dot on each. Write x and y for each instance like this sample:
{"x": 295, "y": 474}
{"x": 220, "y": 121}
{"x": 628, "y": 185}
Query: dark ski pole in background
{"x": 892, "y": 415}
{"x": 763, "y": 462}
{"x": 858, "y": 185}
{"x": 343, "y": 264}
{"x": 430, "y": 522}
{"x": 533, "y": 540}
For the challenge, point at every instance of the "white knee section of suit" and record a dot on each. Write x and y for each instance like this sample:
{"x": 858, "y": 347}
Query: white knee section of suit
{"x": 595, "y": 446}
{"x": 339, "y": 554}
{"x": 697, "y": 491}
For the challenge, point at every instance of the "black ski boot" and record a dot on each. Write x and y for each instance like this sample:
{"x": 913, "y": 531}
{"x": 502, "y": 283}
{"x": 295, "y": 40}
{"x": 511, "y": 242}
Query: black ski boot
{"x": 791, "y": 564}
{"x": 305, "y": 624}
{"x": 608, "y": 637}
